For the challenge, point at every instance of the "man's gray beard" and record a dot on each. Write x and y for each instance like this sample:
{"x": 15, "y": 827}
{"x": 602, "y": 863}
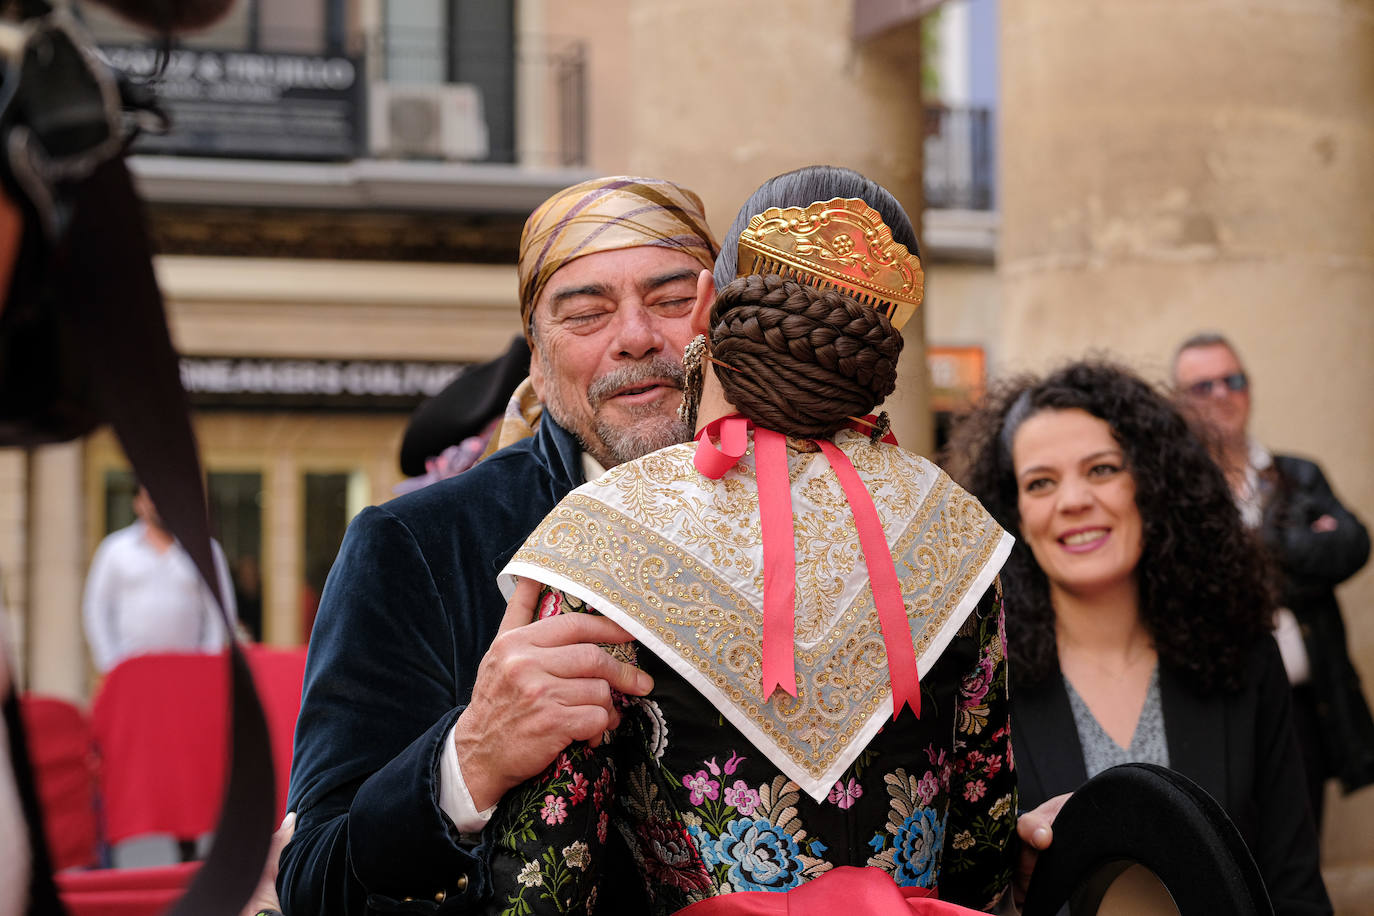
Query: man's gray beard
{"x": 651, "y": 426}
{"x": 651, "y": 430}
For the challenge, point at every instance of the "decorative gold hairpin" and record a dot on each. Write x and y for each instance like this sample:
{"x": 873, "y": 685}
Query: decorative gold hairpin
{"x": 841, "y": 243}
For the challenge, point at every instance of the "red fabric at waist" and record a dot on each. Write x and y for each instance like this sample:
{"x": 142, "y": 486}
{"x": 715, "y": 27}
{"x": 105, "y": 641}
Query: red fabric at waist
{"x": 870, "y": 891}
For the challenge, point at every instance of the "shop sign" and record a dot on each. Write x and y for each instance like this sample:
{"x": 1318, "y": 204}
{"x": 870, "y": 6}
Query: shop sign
{"x": 362, "y": 384}
{"x": 251, "y": 103}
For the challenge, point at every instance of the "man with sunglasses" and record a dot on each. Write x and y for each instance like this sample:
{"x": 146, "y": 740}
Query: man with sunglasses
{"x": 1316, "y": 543}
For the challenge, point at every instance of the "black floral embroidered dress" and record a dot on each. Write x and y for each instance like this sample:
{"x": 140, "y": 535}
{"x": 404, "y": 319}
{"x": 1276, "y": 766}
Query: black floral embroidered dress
{"x": 702, "y": 809}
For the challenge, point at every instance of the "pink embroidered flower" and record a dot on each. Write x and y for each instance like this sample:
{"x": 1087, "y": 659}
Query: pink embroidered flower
{"x": 733, "y": 763}
{"x": 977, "y": 683}
{"x": 550, "y": 605}
{"x": 701, "y": 786}
{"x": 555, "y": 810}
{"x": 601, "y": 824}
{"x": 993, "y": 765}
{"x": 844, "y": 795}
{"x": 928, "y": 787}
{"x": 577, "y": 790}
{"x": 564, "y": 765}
{"x": 711, "y": 765}
{"x": 741, "y": 797}
{"x": 975, "y": 790}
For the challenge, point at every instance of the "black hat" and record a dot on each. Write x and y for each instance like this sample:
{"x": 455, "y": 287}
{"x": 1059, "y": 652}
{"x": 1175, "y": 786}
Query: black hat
{"x": 1142, "y": 814}
{"x": 464, "y": 408}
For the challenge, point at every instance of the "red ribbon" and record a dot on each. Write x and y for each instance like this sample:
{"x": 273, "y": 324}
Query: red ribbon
{"x": 882, "y": 579}
{"x": 779, "y": 552}
{"x": 779, "y": 562}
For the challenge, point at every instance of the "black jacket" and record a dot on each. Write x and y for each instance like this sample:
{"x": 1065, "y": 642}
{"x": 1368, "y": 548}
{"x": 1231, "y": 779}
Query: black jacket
{"x": 1311, "y": 565}
{"x": 409, "y": 609}
{"x": 1239, "y": 747}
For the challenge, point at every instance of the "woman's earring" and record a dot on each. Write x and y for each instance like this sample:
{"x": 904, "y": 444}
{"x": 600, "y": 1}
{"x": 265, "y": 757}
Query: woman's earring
{"x": 692, "y": 359}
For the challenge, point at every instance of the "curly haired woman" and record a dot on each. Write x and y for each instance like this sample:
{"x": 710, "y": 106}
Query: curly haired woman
{"x": 828, "y": 725}
{"x": 1136, "y": 610}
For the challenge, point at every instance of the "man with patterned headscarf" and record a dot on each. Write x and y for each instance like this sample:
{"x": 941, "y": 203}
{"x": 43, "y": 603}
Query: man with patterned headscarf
{"x": 404, "y": 742}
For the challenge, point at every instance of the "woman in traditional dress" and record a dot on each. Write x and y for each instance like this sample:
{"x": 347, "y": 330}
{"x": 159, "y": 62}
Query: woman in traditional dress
{"x": 1137, "y": 610}
{"x": 816, "y": 607}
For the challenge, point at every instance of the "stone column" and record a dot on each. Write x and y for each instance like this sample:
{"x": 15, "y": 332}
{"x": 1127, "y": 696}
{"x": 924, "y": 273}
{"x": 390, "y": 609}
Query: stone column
{"x": 57, "y": 570}
{"x": 14, "y": 499}
{"x": 1170, "y": 167}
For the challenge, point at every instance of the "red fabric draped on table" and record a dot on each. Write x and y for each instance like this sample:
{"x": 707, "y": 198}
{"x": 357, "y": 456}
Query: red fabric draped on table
{"x": 65, "y": 769}
{"x": 124, "y": 891}
{"x": 159, "y": 722}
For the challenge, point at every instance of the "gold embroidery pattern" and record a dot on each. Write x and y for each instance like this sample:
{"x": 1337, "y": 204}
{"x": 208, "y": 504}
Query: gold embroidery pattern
{"x": 684, "y": 561}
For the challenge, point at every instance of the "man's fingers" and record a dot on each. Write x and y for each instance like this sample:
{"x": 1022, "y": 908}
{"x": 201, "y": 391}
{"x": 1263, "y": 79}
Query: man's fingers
{"x": 520, "y": 608}
{"x": 589, "y": 723}
{"x": 585, "y": 660}
{"x": 567, "y": 629}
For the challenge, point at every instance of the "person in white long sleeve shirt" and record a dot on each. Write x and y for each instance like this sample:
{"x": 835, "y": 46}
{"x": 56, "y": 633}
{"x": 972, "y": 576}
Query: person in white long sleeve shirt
{"x": 143, "y": 594}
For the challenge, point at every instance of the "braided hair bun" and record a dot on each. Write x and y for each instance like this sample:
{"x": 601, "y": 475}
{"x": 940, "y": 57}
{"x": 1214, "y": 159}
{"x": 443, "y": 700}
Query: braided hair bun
{"x": 801, "y": 360}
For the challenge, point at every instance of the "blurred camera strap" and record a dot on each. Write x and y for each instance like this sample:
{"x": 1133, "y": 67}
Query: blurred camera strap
{"x": 83, "y": 339}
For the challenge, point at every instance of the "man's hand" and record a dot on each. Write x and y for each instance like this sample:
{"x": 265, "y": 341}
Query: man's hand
{"x": 264, "y": 898}
{"x": 1036, "y": 830}
{"x": 540, "y": 687}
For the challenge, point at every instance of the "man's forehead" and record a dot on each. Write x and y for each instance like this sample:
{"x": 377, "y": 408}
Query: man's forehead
{"x": 1206, "y": 360}
{"x": 616, "y": 272}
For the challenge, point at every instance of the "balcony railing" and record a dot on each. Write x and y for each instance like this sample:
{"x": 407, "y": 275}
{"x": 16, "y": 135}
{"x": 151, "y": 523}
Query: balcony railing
{"x": 960, "y": 158}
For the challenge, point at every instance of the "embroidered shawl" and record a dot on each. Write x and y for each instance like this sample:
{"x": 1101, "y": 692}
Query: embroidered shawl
{"x": 676, "y": 559}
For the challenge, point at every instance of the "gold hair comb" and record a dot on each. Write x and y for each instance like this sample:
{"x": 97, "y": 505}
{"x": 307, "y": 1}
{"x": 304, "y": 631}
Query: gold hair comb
{"x": 841, "y": 244}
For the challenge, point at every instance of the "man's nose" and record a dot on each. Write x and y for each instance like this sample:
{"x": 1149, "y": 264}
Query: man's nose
{"x": 639, "y": 332}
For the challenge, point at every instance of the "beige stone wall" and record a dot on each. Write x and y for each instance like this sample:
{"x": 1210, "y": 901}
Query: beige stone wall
{"x": 963, "y": 303}
{"x": 14, "y": 498}
{"x": 720, "y": 95}
{"x": 1172, "y": 167}
{"x": 339, "y": 309}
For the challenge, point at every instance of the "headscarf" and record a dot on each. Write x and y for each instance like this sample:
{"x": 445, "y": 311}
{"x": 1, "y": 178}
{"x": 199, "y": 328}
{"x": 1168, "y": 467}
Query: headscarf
{"x": 608, "y": 214}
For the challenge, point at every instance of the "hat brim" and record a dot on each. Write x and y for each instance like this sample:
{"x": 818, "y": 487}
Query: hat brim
{"x": 1142, "y": 814}
{"x": 464, "y": 408}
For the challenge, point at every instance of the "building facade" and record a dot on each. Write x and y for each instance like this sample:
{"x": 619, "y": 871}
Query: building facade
{"x": 336, "y": 214}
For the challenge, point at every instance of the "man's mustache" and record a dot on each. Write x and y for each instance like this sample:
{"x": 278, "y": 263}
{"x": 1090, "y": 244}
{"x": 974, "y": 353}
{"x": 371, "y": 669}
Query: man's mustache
{"x": 657, "y": 369}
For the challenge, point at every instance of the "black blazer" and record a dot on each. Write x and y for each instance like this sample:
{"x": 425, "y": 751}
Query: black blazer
{"x": 1239, "y": 747}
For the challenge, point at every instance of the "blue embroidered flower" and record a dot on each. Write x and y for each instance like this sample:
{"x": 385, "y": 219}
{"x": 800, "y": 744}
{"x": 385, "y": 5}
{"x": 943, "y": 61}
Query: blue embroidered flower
{"x": 706, "y": 845}
{"x": 761, "y": 857}
{"x": 916, "y": 848}
{"x": 818, "y": 848}
{"x": 878, "y": 843}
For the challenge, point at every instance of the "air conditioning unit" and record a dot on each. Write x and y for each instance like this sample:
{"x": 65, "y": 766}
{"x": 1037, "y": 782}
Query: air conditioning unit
{"x": 418, "y": 121}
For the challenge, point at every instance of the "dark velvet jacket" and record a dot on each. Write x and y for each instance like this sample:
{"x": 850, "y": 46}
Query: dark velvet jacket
{"x": 408, "y": 610}
{"x": 1238, "y": 746}
{"x": 1311, "y": 564}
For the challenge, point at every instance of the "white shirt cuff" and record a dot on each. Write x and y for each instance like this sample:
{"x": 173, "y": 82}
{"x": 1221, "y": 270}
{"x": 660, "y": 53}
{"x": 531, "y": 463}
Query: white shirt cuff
{"x": 454, "y": 798}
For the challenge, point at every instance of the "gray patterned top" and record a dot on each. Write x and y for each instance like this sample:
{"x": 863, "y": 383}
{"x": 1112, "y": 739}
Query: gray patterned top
{"x": 1100, "y": 752}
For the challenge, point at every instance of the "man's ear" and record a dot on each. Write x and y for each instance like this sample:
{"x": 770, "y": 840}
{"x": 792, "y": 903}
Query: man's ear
{"x": 706, "y": 297}
{"x": 537, "y": 371}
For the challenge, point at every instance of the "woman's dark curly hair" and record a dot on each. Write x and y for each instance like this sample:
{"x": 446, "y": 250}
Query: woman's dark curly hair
{"x": 802, "y": 360}
{"x": 1204, "y": 586}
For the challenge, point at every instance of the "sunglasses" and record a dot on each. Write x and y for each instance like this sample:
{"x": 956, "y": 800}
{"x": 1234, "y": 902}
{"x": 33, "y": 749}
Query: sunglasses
{"x": 1236, "y": 381}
